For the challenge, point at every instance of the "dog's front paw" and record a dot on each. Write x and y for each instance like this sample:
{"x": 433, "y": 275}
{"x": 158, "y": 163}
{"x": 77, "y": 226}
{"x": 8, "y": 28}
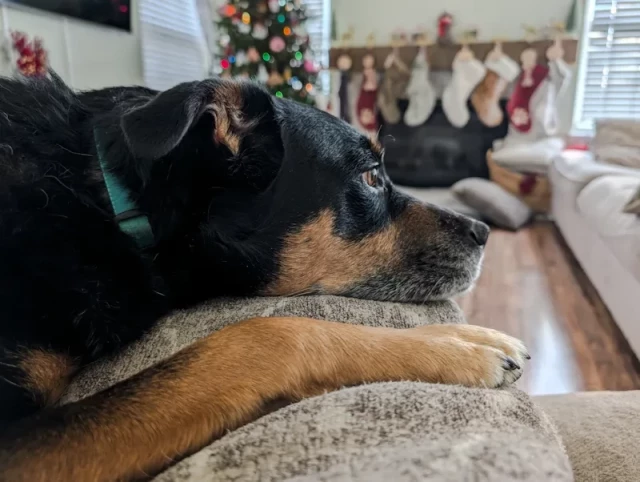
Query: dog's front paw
{"x": 475, "y": 356}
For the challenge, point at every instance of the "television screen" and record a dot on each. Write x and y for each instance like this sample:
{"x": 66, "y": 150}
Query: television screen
{"x": 115, "y": 13}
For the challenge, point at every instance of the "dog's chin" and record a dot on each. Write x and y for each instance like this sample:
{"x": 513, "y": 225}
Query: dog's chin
{"x": 419, "y": 285}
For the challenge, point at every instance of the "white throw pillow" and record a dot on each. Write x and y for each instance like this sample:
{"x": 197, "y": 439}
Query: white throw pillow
{"x": 618, "y": 142}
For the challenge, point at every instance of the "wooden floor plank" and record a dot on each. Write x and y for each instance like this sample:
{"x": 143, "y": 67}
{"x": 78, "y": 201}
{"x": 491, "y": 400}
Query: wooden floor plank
{"x": 533, "y": 288}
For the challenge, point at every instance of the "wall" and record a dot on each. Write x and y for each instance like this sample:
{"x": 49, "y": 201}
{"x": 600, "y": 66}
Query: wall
{"x": 492, "y": 18}
{"x": 85, "y": 55}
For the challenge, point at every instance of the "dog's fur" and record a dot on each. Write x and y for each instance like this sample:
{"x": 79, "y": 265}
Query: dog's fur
{"x": 246, "y": 195}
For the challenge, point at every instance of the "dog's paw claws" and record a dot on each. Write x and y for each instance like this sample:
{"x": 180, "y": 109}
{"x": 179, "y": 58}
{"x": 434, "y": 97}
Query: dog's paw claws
{"x": 510, "y": 364}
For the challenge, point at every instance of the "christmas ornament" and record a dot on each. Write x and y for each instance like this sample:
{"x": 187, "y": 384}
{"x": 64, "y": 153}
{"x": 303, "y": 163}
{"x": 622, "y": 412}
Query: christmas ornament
{"x": 32, "y": 60}
{"x": 296, "y": 84}
{"x": 287, "y": 74}
{"x": 227, "y": 11}
{"x": 253, "y": 55}
{"x": 311, "y": 66}
{"x": 275, "y": 79}
{"x": 300, "y": 31}
{"x": 244, "y": 28}
{"x": 263, "y": 75}
{"x": 241, "y": 58}
{"x": 445, "y": 21}
{"x": 260, "y": 31}
{"x": 277, "y": 44}
{"x": 262, "y": 7}
{"x": 224, "y": 40}
{"x": 274, "y": 6}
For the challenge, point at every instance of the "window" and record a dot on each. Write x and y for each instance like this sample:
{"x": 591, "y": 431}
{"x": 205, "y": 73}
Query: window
{"x": 609, "y": 69}
{"x": 319, "y": 28}
{"x": 173, "y": 48}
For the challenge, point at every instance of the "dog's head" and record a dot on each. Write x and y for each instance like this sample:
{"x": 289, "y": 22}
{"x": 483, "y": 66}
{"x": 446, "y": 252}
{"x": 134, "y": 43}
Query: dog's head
{"x": 286, "y": 199}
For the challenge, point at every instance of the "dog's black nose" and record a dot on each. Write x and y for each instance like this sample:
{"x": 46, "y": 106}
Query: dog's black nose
{"x": 479, "y": 232}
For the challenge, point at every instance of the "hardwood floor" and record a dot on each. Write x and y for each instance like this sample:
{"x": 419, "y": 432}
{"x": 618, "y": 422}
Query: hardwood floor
{"x": 532, "y": 287}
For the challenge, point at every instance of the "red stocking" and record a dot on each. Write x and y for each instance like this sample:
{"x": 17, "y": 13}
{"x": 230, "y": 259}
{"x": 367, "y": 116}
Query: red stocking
{"x": 366, "y": 105}
{"x": 518, "y": 106}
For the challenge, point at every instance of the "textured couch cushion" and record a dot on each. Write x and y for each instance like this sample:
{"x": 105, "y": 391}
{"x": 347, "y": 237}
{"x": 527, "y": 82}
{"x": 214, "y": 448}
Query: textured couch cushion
{"x": 600, "y": 431}
{"x": 602, "y": 203}
{"x": 389, "y": 432}
{"x": 378, "y": 432}
{"x": 618, "y": 142}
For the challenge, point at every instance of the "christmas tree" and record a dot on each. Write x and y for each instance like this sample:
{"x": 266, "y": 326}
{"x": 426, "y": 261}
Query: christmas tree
{"x": 267, "y": 40}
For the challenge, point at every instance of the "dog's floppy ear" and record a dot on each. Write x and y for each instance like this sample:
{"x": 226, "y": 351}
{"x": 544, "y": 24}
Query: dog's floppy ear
{"x": 157, "y": 127}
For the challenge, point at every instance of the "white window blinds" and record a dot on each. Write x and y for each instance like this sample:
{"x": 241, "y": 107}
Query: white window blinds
{"x": 172, "y": 42}
{"x": 609, "y": 71}
{"x": 319, "y": 29}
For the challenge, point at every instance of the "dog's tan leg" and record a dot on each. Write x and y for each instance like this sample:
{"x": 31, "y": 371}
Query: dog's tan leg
{"x": 141, "y": 425}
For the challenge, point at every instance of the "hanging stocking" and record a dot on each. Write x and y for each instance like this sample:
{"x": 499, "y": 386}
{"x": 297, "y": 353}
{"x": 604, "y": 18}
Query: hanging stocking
{"x": 519, "y": 105}
{"x": 501, "y": 71}
{"x": 333, "y": 106}
{"x": 344, "y": 64}
{"x": 468, "y": 72}
{"x": 394, "y": 86}
{"x": 421, "y": 95}
{"x": 559, "y": 76}
{"x": 366, "y": 105}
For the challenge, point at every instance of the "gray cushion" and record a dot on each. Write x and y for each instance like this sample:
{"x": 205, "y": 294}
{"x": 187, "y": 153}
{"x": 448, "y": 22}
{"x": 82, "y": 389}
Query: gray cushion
{"x": 374, "y": 433}
{"x": 389, "y": 432}
{"x": 497, "y": 205}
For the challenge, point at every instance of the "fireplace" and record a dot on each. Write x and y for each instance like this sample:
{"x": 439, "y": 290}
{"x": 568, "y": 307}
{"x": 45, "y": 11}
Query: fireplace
{"x": 437, "y": 154}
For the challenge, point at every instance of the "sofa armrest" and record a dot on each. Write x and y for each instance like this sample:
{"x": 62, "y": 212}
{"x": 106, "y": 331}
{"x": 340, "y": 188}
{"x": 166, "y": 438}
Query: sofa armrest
{"x": 600, "y": 432}
{"x": 581, "y": 168}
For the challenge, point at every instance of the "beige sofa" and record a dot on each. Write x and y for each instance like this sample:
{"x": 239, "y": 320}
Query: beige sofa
{"x": 393, "y": 431}
{"x": 588, "y": 201}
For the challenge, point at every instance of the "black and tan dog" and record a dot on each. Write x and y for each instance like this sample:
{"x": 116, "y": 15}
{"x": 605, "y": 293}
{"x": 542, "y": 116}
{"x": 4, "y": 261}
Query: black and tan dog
{"x": 120, "y": 204}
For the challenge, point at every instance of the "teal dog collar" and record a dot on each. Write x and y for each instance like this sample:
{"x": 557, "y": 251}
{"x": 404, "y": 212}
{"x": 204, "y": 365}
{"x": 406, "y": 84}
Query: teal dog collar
{"x": 129, "y": 218}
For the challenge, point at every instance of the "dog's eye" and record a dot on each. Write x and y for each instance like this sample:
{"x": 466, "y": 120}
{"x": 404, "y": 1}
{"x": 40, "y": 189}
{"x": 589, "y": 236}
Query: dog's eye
{"x": 371, "y": 177}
